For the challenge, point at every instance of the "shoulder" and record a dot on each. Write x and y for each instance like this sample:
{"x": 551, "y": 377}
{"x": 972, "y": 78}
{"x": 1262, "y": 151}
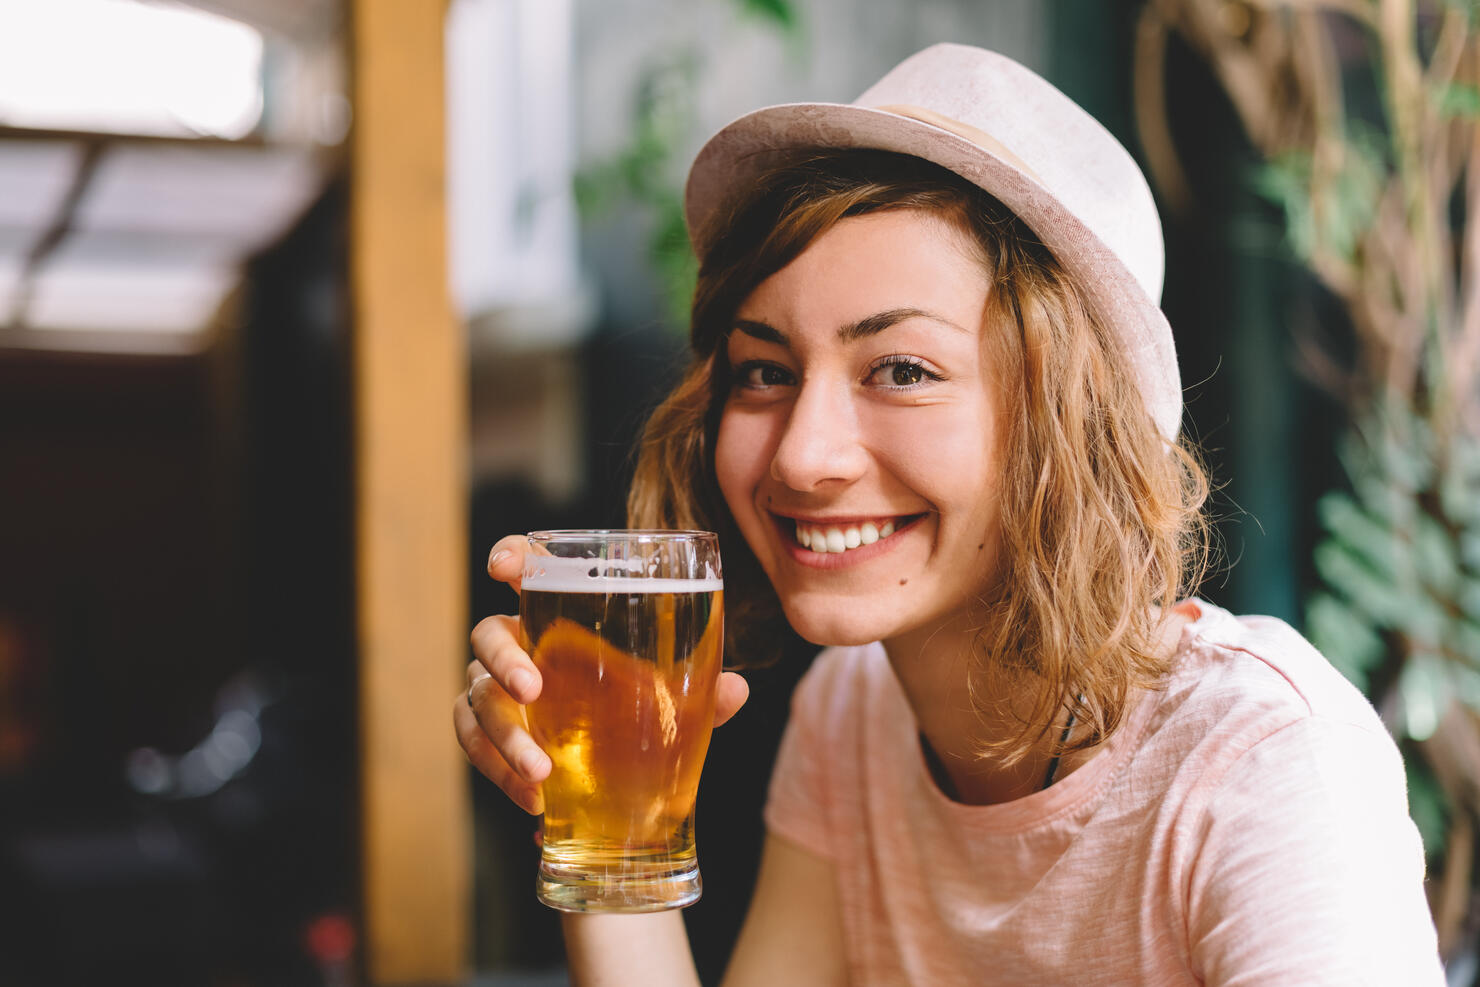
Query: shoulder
{"x": 1256, "y": 675}
{"x": 1249, "y": 701}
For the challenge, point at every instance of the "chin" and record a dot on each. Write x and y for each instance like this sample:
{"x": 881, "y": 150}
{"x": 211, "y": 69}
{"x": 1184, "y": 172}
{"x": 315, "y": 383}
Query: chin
{"x": 833, "y": 629}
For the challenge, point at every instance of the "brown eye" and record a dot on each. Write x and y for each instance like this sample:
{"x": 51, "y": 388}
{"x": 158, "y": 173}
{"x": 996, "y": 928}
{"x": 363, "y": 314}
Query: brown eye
{"x": 900, "y": 373}
{"x": 759, "y": 376}
{"x": 905, "y": 374}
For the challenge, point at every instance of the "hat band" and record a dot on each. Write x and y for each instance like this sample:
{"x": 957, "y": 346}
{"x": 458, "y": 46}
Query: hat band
{"x": 980, "y": 138}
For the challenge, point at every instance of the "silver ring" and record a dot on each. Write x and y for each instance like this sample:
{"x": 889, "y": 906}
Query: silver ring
{"x": 470, "y": 696}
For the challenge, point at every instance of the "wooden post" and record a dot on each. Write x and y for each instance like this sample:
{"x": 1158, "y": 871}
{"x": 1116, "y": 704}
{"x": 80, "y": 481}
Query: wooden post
{"x": 410, "y": 394}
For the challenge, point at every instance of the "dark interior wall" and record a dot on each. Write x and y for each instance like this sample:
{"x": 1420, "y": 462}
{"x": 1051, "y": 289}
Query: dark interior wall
{"x": 115, "y": 560}
{"x": 175, "y": 552}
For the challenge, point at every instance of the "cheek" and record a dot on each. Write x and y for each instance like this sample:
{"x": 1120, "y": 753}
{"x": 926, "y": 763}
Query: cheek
{"x": 948, "y": 456}
{"x": 740, "y": 460}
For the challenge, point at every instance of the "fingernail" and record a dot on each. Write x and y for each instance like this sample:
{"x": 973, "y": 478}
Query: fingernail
{"x": 520, "y": 682}
{"x": 497, "y": 557}
{"x": 530, "y": 760}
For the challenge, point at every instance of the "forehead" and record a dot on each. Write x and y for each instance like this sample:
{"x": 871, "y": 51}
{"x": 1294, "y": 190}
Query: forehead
{"x": 899, "y": 249}
{"x": 879, "y": 262}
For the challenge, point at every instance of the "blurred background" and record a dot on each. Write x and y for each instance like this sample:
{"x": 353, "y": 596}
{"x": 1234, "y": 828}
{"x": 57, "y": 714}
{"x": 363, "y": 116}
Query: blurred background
{"x": 304, "y": 303}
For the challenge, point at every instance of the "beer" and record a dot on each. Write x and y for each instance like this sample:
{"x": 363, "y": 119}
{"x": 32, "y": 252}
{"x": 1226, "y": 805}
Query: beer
{"x": 629, "y": 667}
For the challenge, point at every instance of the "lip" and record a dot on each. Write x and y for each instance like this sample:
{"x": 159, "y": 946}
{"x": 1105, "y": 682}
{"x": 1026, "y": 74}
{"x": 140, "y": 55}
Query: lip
{"x": 785, "y": 526}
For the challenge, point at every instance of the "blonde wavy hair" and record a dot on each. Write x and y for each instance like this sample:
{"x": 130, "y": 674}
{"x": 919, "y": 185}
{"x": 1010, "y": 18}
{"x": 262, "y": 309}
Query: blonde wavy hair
{"x": 1102, "y": 522}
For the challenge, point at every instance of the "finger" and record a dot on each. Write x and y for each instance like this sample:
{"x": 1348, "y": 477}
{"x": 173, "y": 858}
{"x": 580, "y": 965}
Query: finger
{"x": 502, "y": 722}
{"x": 483, "y": 755}
{"x": 729, "y": 696}
{"x": 506, "y": 559}
{"x": 496, "y": 645}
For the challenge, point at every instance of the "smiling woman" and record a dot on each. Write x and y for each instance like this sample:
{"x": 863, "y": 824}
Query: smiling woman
{"x": 933, "y": 412}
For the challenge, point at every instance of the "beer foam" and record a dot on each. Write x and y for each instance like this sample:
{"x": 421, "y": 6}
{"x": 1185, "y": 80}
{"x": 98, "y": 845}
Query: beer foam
{"x": 551, "y": 574}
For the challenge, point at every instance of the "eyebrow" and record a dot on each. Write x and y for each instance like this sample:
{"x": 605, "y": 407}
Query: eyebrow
{"x": 869, "y": 325}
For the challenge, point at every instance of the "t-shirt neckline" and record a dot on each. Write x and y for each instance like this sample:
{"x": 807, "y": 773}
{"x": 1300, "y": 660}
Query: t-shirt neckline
{"x": 1064, "y": 797}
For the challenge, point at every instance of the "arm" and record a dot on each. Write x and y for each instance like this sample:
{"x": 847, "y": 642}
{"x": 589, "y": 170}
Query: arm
{"x": 792, "y": 935}
{"x": 650, "y": 950}
{"x": 1308, "y": 869}
{"x": 793, "y": 932}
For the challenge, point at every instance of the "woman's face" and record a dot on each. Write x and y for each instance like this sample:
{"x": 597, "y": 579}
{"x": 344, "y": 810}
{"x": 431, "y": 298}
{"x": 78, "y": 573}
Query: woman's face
{"x": 859, "y": 449}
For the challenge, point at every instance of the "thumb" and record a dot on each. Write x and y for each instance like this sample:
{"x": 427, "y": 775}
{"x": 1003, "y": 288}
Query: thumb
{"x": 729, "y": 697}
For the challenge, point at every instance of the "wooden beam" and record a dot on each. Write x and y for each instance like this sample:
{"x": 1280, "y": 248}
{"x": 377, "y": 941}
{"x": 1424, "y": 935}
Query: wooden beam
{"x": 410, "y": 386}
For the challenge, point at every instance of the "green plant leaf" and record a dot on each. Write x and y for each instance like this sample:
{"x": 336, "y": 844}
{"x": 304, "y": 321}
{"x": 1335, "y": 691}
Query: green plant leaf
{"x": 1459, "y": 99}
{"x": 1469, "y": 549}
{"x": 1435, "y": 555}
{"x": 1345, "y": 637}
{"x": 1284, "y": 180}
{"x": 1423, "y": 688}
{"x": 1467, "y": 597}
{"x": 1471, "y": 8}
{"x": 1348, "y": 206}
{"x": 1378, "y": 578}
{"x": 1467, "y": 685}
{"x": 673, "y": 258}
{"x": 1427, "y": 805}
{"x": 1407, "y": 460}
{"x": 1464, "y": 637}
{"x": 1333, "y": 214}
{"x": 779, "y": 12}
{"x": 1383, "y": 493}
{"x": 1356, "y": 581}
{"x": 1459, "y": 487}
{"x": 597, "y": 188}
{"x": 1360, "y": 532}
{"x": 1392, "y": 445}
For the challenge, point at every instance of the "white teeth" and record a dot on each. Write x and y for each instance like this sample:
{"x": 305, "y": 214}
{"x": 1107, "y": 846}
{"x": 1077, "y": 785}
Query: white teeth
{"x": 838, "y": 540}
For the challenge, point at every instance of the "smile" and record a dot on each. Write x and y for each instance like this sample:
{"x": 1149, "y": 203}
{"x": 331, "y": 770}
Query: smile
{"x": 837, "y": 538}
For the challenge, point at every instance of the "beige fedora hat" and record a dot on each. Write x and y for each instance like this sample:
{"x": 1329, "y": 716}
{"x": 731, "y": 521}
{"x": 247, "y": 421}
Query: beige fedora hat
{"x": 1004, "y": 128}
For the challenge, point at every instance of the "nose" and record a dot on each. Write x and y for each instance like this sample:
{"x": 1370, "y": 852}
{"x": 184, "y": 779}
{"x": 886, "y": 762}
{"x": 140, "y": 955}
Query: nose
{"x": 821, "y": 442}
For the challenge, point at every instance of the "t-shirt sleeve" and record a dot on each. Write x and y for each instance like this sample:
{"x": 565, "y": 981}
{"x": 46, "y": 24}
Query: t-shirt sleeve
{"x": 1308, "y": 868}
{"x": 798, "y": 802}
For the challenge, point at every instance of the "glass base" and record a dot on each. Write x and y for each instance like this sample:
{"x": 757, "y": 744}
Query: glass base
{"x": 651, "y": 889}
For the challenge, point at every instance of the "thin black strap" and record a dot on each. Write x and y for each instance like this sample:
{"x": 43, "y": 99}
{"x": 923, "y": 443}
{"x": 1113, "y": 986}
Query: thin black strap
{"x": 1053, "y": 764}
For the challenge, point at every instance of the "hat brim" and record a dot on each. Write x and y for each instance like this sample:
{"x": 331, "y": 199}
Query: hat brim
{"x": 734, "y": 157}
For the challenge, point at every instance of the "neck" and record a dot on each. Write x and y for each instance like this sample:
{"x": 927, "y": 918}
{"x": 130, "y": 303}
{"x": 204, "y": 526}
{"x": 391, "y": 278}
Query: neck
{"x": 933, "y": 668}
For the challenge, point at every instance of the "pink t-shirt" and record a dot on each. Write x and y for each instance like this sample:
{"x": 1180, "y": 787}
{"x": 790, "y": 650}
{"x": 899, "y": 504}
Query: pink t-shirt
{"x": 1247, "y": 825}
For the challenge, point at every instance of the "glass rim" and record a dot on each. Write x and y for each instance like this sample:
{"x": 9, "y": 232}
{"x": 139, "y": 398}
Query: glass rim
{"x": 620, "y": 534}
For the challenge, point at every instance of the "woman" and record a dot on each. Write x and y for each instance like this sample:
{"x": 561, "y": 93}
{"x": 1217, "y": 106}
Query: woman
{"x": 933, "y": 413}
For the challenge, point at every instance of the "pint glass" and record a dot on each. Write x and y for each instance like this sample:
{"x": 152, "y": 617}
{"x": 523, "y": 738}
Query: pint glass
{"x": 626, "y": 628}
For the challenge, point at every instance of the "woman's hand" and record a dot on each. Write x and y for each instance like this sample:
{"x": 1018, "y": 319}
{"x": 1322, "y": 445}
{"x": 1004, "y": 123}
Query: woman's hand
{"x": 489, "y": 716}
